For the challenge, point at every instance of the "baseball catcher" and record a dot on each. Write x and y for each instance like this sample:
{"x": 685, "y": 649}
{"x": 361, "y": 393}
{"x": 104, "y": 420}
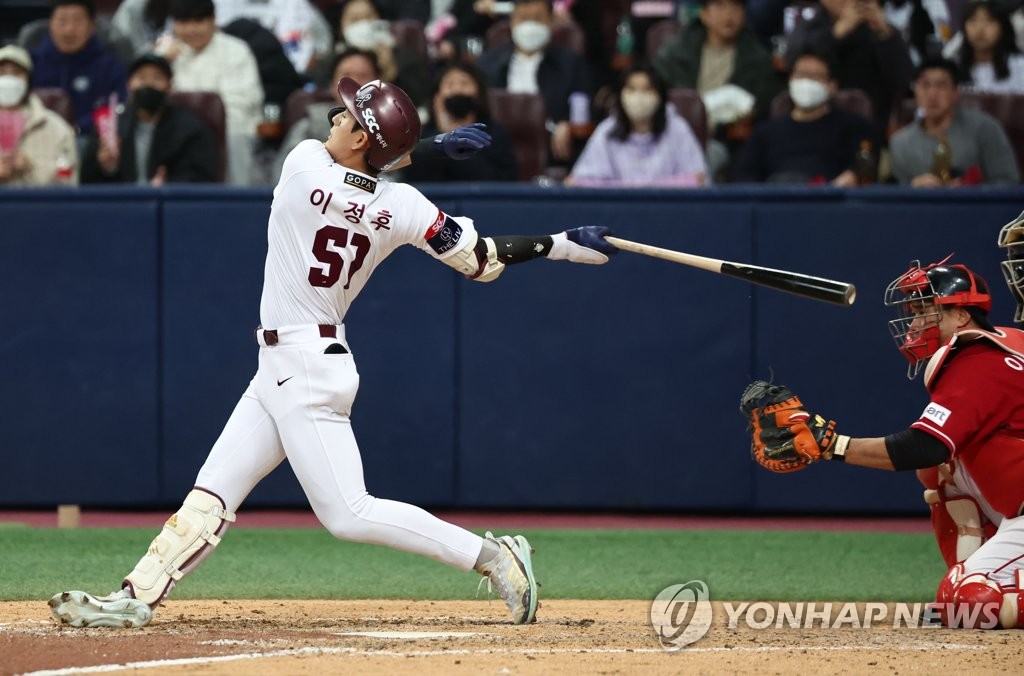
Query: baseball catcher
{"x": 967, "y": 445}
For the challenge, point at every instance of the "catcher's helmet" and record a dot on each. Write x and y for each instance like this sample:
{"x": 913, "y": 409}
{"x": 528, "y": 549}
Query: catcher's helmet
{"x": 919, "y": 294}
{"x": 388, "y": 116}
{"x": 1011, "y": 238}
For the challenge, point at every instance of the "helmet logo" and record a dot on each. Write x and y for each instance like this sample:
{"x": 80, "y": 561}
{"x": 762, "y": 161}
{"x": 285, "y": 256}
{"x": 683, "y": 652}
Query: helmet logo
{"x": 362, "y": 98}
{"x": 371, "y": 121}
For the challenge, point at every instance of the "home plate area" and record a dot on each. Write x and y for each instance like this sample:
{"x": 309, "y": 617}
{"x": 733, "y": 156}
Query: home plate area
{"x": 443, "y": 637}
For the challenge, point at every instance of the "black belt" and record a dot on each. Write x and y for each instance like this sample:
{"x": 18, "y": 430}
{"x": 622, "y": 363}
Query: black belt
{"x": 270, "y": 335}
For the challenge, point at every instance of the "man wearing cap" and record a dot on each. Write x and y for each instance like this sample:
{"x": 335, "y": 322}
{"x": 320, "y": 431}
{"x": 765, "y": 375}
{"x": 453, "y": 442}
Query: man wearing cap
{"x": 37, "y": 147}
{"x": 157, "y": 142}
{"x": 71, "y": 58}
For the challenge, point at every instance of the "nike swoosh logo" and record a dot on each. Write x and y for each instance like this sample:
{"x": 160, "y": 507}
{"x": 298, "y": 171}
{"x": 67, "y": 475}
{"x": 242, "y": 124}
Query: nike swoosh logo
{"x": 282, "y": 382}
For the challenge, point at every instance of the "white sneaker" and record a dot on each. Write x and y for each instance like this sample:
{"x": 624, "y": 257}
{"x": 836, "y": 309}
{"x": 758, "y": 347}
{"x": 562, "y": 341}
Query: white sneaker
{"x": 119, "y": 609}
{"x": 511, "y": 573}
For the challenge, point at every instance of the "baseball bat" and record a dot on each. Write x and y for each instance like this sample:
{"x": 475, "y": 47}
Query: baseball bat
{"x": 815, "y": 288}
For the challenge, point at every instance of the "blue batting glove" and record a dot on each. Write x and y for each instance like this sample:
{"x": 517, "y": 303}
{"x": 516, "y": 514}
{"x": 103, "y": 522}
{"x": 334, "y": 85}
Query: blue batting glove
{"x": 593, "y": 237}
{"x": 463, "y": 142}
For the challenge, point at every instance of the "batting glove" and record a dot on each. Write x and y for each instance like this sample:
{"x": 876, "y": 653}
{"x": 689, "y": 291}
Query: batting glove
{"x": 463, "y": 142}
{"x": 583, "y": 245}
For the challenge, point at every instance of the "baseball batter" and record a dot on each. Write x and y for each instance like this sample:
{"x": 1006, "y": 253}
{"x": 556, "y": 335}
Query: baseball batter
{"x": 971, "y": 434}
{"x": 331, "y": 224}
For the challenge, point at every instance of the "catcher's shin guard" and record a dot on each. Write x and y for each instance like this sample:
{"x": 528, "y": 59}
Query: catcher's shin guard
{"x": 976, "y": 602}
{"x": 187, "y": 538}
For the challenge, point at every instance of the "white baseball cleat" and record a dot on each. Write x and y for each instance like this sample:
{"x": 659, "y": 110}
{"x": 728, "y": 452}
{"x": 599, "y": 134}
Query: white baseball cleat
{"x": 511, "y": 573}
{"x": 119, "y": 609}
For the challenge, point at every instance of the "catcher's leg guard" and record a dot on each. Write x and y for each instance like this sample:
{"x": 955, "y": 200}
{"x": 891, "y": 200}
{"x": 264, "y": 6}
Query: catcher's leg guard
{"x": 1011, "y": 615}
{"x": 977, "y": 603}
{"x": 947, "y": 588}
{"x": 187, "y": 538}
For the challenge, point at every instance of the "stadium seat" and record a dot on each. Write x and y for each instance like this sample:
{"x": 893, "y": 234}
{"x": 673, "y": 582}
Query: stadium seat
{"x": 851, "y": 100}
{"x": 57, "y": 100}
{"x": 659, "y": 34}
{"x": 409, "y": 32}
{"x": 1009, "y": 110}
{"x": 209, "y": 108}
{"x": 299, "y": 100}
{"x": 523, "y": 116}
{"x": 564, "y": 34}
{"x": 690, "y": 106}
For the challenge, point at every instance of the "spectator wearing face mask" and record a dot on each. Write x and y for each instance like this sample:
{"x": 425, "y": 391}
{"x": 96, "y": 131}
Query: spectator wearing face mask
{"x": 157, "y": 142}
{"x": 644, "y": 142}
{"x": 37, "y": 147}
{"x": 460, "y": 99}
{"x": 532, "y": 65}
{"x": 360, "y": 26}
{"x": 816, "y": 143}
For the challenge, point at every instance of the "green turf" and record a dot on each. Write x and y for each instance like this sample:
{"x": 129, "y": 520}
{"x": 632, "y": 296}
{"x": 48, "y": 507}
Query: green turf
{"x": 588, "y": 564}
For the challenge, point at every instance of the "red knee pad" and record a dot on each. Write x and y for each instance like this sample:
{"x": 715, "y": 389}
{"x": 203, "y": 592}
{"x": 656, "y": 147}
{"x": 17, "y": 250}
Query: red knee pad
{"x": 977, "y": 602}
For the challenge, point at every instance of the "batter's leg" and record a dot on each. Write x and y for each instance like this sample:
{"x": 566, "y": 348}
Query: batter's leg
{"x": 246, "y": 451}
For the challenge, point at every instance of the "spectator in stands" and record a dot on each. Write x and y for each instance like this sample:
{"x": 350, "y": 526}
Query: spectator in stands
{"x": 361, "y": 27}
{"x": 989, "y": 57}
{"x": 357, "y": 64}
{"x": 472, "y": 19}
{"x": 923, "y": 24}
{"x": 717, "y": 50}
{"x": 720, "y": 57}
{"x": 37, "y": 147}
{"x": 71, "y": 58}
{"x": 532, "y": 65}
{"x": 950, "y": 144}
{"x": 141, "y": 22}
{"x": 459, "y": 99}
{"x": 871, "y": 55}
{"x": 816, "y": 143}
{"x": 301, "y": 29}
{"x": 157, "y": 142}
{"x": 644, "y": 142}
{"x": 205, "y": 59}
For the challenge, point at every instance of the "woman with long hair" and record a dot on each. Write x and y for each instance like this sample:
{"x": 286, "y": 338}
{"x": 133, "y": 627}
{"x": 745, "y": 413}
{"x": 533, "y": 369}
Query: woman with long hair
{"x": 644, "y": 142}
{"x": 990, "y": 59}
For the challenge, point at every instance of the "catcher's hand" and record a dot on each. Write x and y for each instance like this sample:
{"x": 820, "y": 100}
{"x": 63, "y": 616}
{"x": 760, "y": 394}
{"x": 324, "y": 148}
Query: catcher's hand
{"x": 785, "y": 437}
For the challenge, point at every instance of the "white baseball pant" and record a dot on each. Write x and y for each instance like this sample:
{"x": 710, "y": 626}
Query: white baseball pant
{"x": 298, "y": 406}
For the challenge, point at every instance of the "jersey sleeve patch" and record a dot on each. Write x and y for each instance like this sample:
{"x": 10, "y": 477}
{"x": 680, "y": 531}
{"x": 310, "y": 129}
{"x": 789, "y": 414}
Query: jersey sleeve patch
{"x": 444, "y": 234}
{"x": 935, "y": 413}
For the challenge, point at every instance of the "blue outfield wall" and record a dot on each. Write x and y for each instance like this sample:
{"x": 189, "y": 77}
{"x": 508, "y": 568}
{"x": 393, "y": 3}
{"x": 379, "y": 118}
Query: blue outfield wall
{"x": 129, "y": 340}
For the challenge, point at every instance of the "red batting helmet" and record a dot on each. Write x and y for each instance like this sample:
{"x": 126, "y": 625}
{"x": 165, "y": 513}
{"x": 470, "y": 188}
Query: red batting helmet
{"x": 388, "y": 116}
{"x": 919, "y": 294}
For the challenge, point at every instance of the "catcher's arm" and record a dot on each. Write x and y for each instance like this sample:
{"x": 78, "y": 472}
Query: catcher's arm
{"x": 787, "y": 438}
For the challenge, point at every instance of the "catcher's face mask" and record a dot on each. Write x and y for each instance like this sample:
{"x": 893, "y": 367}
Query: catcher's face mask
{"x": 1011, "y": 238}
{"x": 920, "y": 295}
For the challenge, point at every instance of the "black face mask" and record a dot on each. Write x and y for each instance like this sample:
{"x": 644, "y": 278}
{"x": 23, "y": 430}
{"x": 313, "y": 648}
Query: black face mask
{"x": 149, "y": 99}
{"x": 460, "y": 105}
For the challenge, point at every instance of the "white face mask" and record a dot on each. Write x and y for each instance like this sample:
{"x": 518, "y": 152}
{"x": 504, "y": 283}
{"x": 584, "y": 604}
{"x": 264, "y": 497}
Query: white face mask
{"x": 12, "y": 90}
{"x": 640, "y": 106}
{"x": 807, "y": 93}
{"x": 531, "y": 36}
{"x": 368, "y": 34}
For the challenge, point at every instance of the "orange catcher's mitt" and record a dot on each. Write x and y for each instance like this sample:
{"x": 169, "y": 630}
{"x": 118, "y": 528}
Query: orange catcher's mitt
{"x": 785, "y": 437}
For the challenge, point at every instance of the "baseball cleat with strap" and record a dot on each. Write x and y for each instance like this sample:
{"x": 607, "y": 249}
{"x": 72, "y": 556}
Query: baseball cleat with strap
{"x": 511, "y": 574}
{"x": 80, "y": 609}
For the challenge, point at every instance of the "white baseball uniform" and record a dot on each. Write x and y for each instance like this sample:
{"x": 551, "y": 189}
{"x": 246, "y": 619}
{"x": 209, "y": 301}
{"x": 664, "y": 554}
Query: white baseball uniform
{"x": 330, "y": 227}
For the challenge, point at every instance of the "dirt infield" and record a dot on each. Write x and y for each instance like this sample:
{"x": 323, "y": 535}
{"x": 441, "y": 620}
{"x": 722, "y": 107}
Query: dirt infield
{"x": 442, "y": 637}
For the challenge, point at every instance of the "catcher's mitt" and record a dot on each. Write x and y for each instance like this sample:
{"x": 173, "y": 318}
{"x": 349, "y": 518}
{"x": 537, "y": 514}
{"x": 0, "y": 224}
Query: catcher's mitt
{"x": 784, "y": 437}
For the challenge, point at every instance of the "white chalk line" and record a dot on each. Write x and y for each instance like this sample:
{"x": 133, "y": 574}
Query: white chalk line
{"x": 357, "y": 652}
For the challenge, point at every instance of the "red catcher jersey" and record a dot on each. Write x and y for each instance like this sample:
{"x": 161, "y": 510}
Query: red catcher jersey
{"x": 977, "y": 410}
{"x": 331, "y": 226}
